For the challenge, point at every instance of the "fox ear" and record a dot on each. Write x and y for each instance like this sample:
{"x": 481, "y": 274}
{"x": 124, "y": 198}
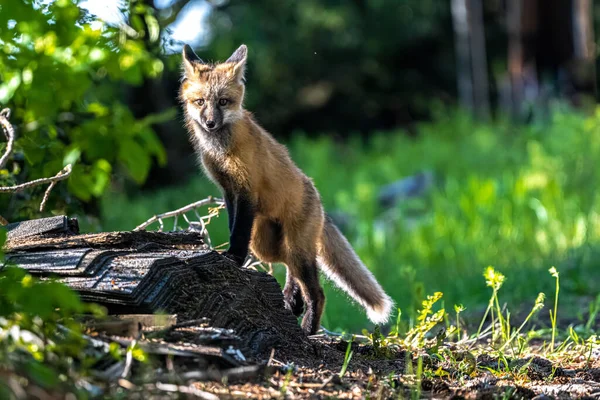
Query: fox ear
{"x": 238, "y": 59}
{"x": 190, "y": 59}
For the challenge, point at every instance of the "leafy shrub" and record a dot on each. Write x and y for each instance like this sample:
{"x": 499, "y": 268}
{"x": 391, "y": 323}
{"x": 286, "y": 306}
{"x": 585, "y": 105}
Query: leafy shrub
{"x": 39, "y": 341}
{"x": 62, "y": 74}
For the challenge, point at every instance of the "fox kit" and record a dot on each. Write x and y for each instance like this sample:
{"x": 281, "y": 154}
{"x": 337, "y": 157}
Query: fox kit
{"x": 273, "y": 208}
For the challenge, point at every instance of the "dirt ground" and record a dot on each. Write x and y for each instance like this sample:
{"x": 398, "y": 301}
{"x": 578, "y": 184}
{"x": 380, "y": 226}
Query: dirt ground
{"x": 191, "y": 359}
{"x": 367, "y": 377}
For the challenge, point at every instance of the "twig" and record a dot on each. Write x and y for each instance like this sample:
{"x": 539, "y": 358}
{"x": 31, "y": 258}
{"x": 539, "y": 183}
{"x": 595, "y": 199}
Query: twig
{"x": 9, "y": 132}
{"x": 199, "y": 225}
{"x": 190, "y": 390}
{"x": 128, "y": 359}
{"x": 62, "y": 175}
{"x": 51, "y": 186}
{"x": 180, "y": 211}
{"x": 252, "y": 262}
{"x": 269, "y": 363}
{"x": 231, "y": 374}
{"x": 330, "y": 333}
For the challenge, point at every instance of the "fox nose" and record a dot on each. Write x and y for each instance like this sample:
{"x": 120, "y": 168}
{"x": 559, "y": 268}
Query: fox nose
{"x": 210, "y": 124}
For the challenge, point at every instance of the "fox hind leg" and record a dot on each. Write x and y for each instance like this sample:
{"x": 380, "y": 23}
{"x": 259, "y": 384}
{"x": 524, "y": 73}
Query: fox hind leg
{"x": 292, "y": 294}
{"x": 267, "y": 238}
{"x": 304, "y": 270}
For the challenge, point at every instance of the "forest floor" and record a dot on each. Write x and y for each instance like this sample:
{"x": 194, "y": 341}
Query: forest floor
{"x": 469, "y": 374}
{"x": 154, "y": 355}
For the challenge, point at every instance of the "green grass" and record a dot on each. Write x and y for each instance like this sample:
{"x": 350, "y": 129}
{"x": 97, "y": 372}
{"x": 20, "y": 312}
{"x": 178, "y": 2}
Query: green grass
{"x": 520, "y": 198}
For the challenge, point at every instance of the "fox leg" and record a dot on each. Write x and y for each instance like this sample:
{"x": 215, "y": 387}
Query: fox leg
{"x": 304, "y": 269}
{"x": 267, "y": 237}
{"x": 292, "y": 294}
{"x": 242, "y": 210}
{"x": 302, "y": 230}
{"x": 229, "y": 204}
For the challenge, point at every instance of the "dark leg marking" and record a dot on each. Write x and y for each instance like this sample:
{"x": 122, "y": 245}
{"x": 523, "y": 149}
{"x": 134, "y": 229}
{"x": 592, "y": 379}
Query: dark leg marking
{"x": 292, "y": 295}
{"x": 241, "y": 231}
{"x": 229, "y": 203}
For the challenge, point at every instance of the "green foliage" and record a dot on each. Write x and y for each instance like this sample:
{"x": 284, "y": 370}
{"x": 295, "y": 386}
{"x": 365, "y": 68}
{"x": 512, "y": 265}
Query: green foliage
{"x": 62, "y": 74}
{"x": 537, "y": 306}
{"x": 494, "y": 280}
{"x": 418, "y": 337}
{"x": 382, "y": 345}
{"x": 39, "y": 340}
{"x": 425, "y": 323}
{"x": 347, "y": 358}
{"x": 553, "y": 312}
{"x": 512, "y": 350}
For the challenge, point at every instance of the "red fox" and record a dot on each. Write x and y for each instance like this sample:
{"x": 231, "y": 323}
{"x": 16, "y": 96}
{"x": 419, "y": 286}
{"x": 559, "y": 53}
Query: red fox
{"x": 273, "y": 208}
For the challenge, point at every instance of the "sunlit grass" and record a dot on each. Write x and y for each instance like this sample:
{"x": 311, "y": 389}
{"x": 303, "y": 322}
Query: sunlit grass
{"x": 521, "y": 356}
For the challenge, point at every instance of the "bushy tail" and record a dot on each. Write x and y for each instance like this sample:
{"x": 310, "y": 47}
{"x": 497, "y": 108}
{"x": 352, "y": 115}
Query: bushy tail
{"x": 340, "y": 263}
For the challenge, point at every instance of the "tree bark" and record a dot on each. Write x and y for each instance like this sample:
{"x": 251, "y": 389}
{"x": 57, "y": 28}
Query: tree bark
{"x": 583, "y": 68}
{"x": 515, "y": 55}
{"x": 149, "y": 272}
{"x": 478, "y": 59}
{"x": 464, "y": 78}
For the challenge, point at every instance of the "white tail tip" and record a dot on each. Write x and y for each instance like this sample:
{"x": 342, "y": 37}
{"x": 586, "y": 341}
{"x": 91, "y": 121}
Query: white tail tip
{"x": 381, "y": 314}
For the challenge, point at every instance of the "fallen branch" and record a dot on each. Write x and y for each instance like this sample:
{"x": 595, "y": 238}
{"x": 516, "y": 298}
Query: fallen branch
{"x": 198, "y": 225}
{"x": 9, "y": 132}
{"x": 189, "y": 390}
{"x": 231, "y": 374}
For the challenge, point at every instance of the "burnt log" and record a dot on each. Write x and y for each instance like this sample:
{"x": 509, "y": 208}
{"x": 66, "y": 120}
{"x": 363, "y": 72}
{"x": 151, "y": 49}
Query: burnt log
{"x": 151, "y": 272}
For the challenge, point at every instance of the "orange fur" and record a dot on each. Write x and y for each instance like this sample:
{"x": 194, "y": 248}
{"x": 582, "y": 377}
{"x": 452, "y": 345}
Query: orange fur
{"x": 288, "y": 222}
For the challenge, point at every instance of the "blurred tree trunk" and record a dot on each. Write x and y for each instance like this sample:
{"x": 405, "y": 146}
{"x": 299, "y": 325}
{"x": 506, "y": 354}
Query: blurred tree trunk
{"x": 522, "y": 27}
{"x": 555, "y": 40}
{"x": 471, "y": 61}
{"x": 583, "y": 68}
{"x": 515, "y": 55}
{"x": 478, "y": 59}
{"x": 463, "y": 54}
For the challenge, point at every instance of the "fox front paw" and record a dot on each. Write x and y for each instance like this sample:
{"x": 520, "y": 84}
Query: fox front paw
{"x": 238, "y": 260}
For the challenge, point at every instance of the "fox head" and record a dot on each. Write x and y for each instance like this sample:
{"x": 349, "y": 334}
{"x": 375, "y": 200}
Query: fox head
{"x": 212, "y": 94}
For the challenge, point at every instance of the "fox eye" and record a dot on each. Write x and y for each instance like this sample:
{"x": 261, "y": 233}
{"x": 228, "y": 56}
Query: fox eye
{"x": 200, "y": 102}
{"x": 223, "y": 102}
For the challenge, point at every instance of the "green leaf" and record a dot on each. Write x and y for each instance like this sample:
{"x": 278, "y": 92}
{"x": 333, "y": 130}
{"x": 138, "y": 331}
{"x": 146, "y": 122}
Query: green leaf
{"x": 153, "y": 146}
{"x": 99, "y": 109}
{"x": 8, "y": 89}
{"x": 42, "y": 375}
{"x": 135, "y": 158}
{"x": 79, "y": 183}
{"x": 72, "y": 156}
{"x": 100, "y": 177}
